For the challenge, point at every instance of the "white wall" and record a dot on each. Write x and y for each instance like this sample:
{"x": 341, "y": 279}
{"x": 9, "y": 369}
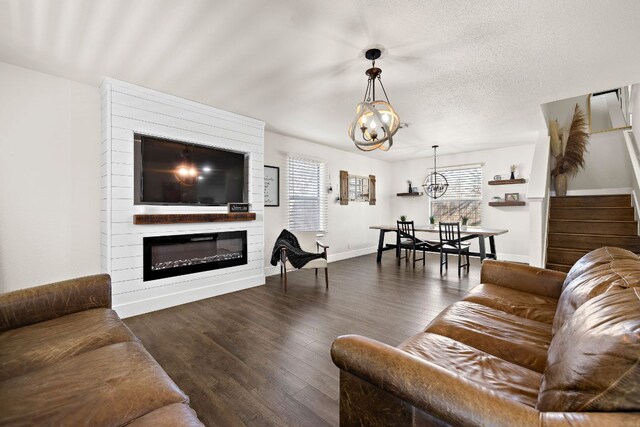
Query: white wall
{"x": 348, "y": 233}
{"x": 511, "y": 246}
{"x": 50, "y": 174}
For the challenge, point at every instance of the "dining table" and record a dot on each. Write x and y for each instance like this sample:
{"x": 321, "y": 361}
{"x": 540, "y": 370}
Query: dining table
{"x": 467, "y": 234}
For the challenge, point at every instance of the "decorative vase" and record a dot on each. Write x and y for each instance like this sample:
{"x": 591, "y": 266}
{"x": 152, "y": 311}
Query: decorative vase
{"x": 513, "y": 175}
{"x": 410, "y": 189}
{"x": 561, "y": 185}
{"x": 463, "y": 227}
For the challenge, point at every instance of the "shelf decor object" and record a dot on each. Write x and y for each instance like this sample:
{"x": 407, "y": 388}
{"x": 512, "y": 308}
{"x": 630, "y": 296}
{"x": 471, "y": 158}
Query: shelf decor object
{"x": 435, "y": 184}
{"x": 508, "y": 181}
{"x": 376, "y": 121}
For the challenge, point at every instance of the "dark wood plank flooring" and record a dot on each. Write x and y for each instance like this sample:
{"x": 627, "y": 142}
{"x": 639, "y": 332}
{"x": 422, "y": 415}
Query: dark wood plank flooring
{"x": 261, "y": 356}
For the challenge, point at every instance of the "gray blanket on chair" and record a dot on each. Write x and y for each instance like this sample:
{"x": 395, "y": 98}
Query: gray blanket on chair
{"x": 296, "y": 256}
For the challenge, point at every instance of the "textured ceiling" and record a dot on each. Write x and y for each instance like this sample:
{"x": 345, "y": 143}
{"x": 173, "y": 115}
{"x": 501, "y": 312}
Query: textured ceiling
{"x": 467, "y": 75}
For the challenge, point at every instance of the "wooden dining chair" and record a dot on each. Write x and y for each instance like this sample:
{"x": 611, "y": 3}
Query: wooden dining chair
{"x": 450, "y": 243}
{"x": 407, "y": 240}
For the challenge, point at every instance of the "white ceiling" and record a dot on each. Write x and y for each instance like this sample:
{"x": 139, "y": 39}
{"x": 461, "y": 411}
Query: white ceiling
{"x": 467, "y": 75}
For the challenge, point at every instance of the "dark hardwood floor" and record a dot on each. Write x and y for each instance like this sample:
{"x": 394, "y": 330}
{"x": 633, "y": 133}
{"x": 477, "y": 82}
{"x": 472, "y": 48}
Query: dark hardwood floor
{"x": 261, "y": 356}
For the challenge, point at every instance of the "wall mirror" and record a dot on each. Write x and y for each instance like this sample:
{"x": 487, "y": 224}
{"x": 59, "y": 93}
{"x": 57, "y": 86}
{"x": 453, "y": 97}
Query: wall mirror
{"x": 609, "y": 110}
{"x": 357, "y": 188}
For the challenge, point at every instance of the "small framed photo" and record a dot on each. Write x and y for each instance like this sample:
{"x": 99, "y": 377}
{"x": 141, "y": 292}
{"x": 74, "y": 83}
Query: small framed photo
{"x": 511, "y": 197}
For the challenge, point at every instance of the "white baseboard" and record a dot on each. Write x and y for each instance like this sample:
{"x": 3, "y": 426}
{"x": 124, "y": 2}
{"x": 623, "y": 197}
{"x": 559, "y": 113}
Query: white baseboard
{"x": 513, "y": 257}
{"x": 596, "y": 192}
{"x": 352, "y": 254}
{"x": 178, "y": 298}
{"x": 272, "y": 271}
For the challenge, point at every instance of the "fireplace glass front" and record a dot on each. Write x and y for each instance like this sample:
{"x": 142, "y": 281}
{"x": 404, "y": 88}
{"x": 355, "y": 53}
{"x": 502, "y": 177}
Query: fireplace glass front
{"x": 168, "y": 256}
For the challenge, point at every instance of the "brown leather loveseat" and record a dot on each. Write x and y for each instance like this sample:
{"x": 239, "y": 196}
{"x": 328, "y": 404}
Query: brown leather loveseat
{"x": 527, "y": 347}
{"x": 67, "y": 359}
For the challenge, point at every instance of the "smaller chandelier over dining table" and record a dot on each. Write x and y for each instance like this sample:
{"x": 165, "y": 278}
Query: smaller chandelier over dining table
{"x": 376, "y": 121}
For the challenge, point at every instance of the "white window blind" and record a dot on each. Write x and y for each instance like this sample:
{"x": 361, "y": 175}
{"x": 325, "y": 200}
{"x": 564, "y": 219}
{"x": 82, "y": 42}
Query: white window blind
{"x": 463, "y": 197}
{"x": 307, "y": 195}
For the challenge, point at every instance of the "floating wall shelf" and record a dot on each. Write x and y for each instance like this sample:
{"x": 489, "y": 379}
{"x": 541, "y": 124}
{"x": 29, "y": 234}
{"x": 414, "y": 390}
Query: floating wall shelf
{"x": 519, "y": 203}
{"x": 409, "y": 194}
{"x": 508, "y": 181}
{"x": 192, "y": 218}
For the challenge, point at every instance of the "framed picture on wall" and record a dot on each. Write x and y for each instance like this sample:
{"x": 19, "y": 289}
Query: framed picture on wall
{"x": 271, "y": 186}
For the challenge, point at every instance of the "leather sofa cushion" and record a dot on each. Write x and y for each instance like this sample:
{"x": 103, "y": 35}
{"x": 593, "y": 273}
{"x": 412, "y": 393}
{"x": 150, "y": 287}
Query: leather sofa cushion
{"x": 35, "y": 346}
{"x": 594, "y": 359}
{"x": 177, "y": 414}
{"x": 519, "y": 303}
{"x": 511, "y": 380}
{"x": 515, "y": 339}
{"x": 111, "y": 385}
{"x": 602, "y": 270}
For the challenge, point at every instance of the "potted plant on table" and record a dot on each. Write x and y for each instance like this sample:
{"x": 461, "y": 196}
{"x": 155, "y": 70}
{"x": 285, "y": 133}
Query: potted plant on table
{"x": 465, "y": 220}
{"x": 432, "y": 220}
{"x": 403, "y": 218}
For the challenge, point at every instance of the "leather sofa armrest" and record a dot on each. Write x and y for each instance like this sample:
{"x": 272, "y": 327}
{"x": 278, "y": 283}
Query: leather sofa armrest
{"x": 429, "y": 387}
{"x": 589, "y": 419}
{"x": 524, "y": 278}
{"x": 32, "y": 305}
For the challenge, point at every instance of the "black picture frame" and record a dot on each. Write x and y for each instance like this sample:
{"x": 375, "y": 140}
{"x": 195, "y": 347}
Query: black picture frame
{"x": 271, "y": 191}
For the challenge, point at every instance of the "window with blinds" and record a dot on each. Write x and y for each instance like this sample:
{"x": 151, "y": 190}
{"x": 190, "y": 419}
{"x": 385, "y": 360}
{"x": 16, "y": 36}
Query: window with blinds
{"x": 307, "y": 195}
{"x": 463, "y": 197}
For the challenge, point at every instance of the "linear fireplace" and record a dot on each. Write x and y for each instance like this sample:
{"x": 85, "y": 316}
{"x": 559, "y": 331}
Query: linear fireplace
{"x": 168, "y": 256}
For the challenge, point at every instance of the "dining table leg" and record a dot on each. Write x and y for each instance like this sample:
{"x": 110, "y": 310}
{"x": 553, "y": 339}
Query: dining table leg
{"x": 492, "y": 247}
{"x": 483, "y": 251}
{"x": 380, "y": 246}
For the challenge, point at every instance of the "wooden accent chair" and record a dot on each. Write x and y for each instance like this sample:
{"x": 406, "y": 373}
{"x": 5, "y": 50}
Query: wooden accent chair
{"x": 317, "y": 263}
{"x": 450, "y": 244}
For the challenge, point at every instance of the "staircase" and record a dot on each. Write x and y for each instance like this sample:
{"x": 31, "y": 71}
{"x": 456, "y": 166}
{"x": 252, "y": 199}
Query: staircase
{"x": 579, "y": 224}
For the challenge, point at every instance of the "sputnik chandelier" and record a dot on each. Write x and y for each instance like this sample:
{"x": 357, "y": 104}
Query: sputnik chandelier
{"x": 376, "y": 121}
{"x": 435, "y": 184}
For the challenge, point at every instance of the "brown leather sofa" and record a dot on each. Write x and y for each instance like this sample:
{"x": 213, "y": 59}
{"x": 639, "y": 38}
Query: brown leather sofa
{"x": 527, "y": 347}
{"x": 66, "y": 358}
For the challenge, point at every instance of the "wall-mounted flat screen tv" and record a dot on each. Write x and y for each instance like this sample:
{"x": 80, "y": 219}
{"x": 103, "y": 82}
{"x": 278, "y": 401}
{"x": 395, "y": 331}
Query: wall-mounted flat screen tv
{"x": 178, "y": 173}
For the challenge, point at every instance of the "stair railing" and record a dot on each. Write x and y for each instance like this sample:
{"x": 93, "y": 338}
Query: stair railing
{"x": 634, "y": 155}
{"x": 538, "y": 197}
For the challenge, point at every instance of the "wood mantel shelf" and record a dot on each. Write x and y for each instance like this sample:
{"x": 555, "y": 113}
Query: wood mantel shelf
{"x": 146, "y": 219}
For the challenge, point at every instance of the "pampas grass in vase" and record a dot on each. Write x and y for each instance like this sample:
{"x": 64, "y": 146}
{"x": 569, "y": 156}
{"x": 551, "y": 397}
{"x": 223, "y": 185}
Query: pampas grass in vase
{"x": 568, "y": 147}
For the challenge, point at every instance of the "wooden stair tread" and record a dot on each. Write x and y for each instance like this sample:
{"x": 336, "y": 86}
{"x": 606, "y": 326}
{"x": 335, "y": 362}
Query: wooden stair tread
{"x": 593, "y": 220}
{"x": 558, "y": 267}
{"x": 604, "y": 200}
{"x": 556, "y": 233}
{"x": 558, "y": 248}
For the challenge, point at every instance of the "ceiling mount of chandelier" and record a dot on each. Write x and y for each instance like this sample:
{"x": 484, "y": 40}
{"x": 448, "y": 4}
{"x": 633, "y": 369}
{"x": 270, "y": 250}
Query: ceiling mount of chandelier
{"x": 376, "y": 121}
{"x": 435, "y": 184}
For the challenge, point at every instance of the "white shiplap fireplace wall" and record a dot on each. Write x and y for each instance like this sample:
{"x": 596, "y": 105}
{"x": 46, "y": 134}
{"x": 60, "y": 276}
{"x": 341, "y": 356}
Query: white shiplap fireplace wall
{"x": 129, "y": 109}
